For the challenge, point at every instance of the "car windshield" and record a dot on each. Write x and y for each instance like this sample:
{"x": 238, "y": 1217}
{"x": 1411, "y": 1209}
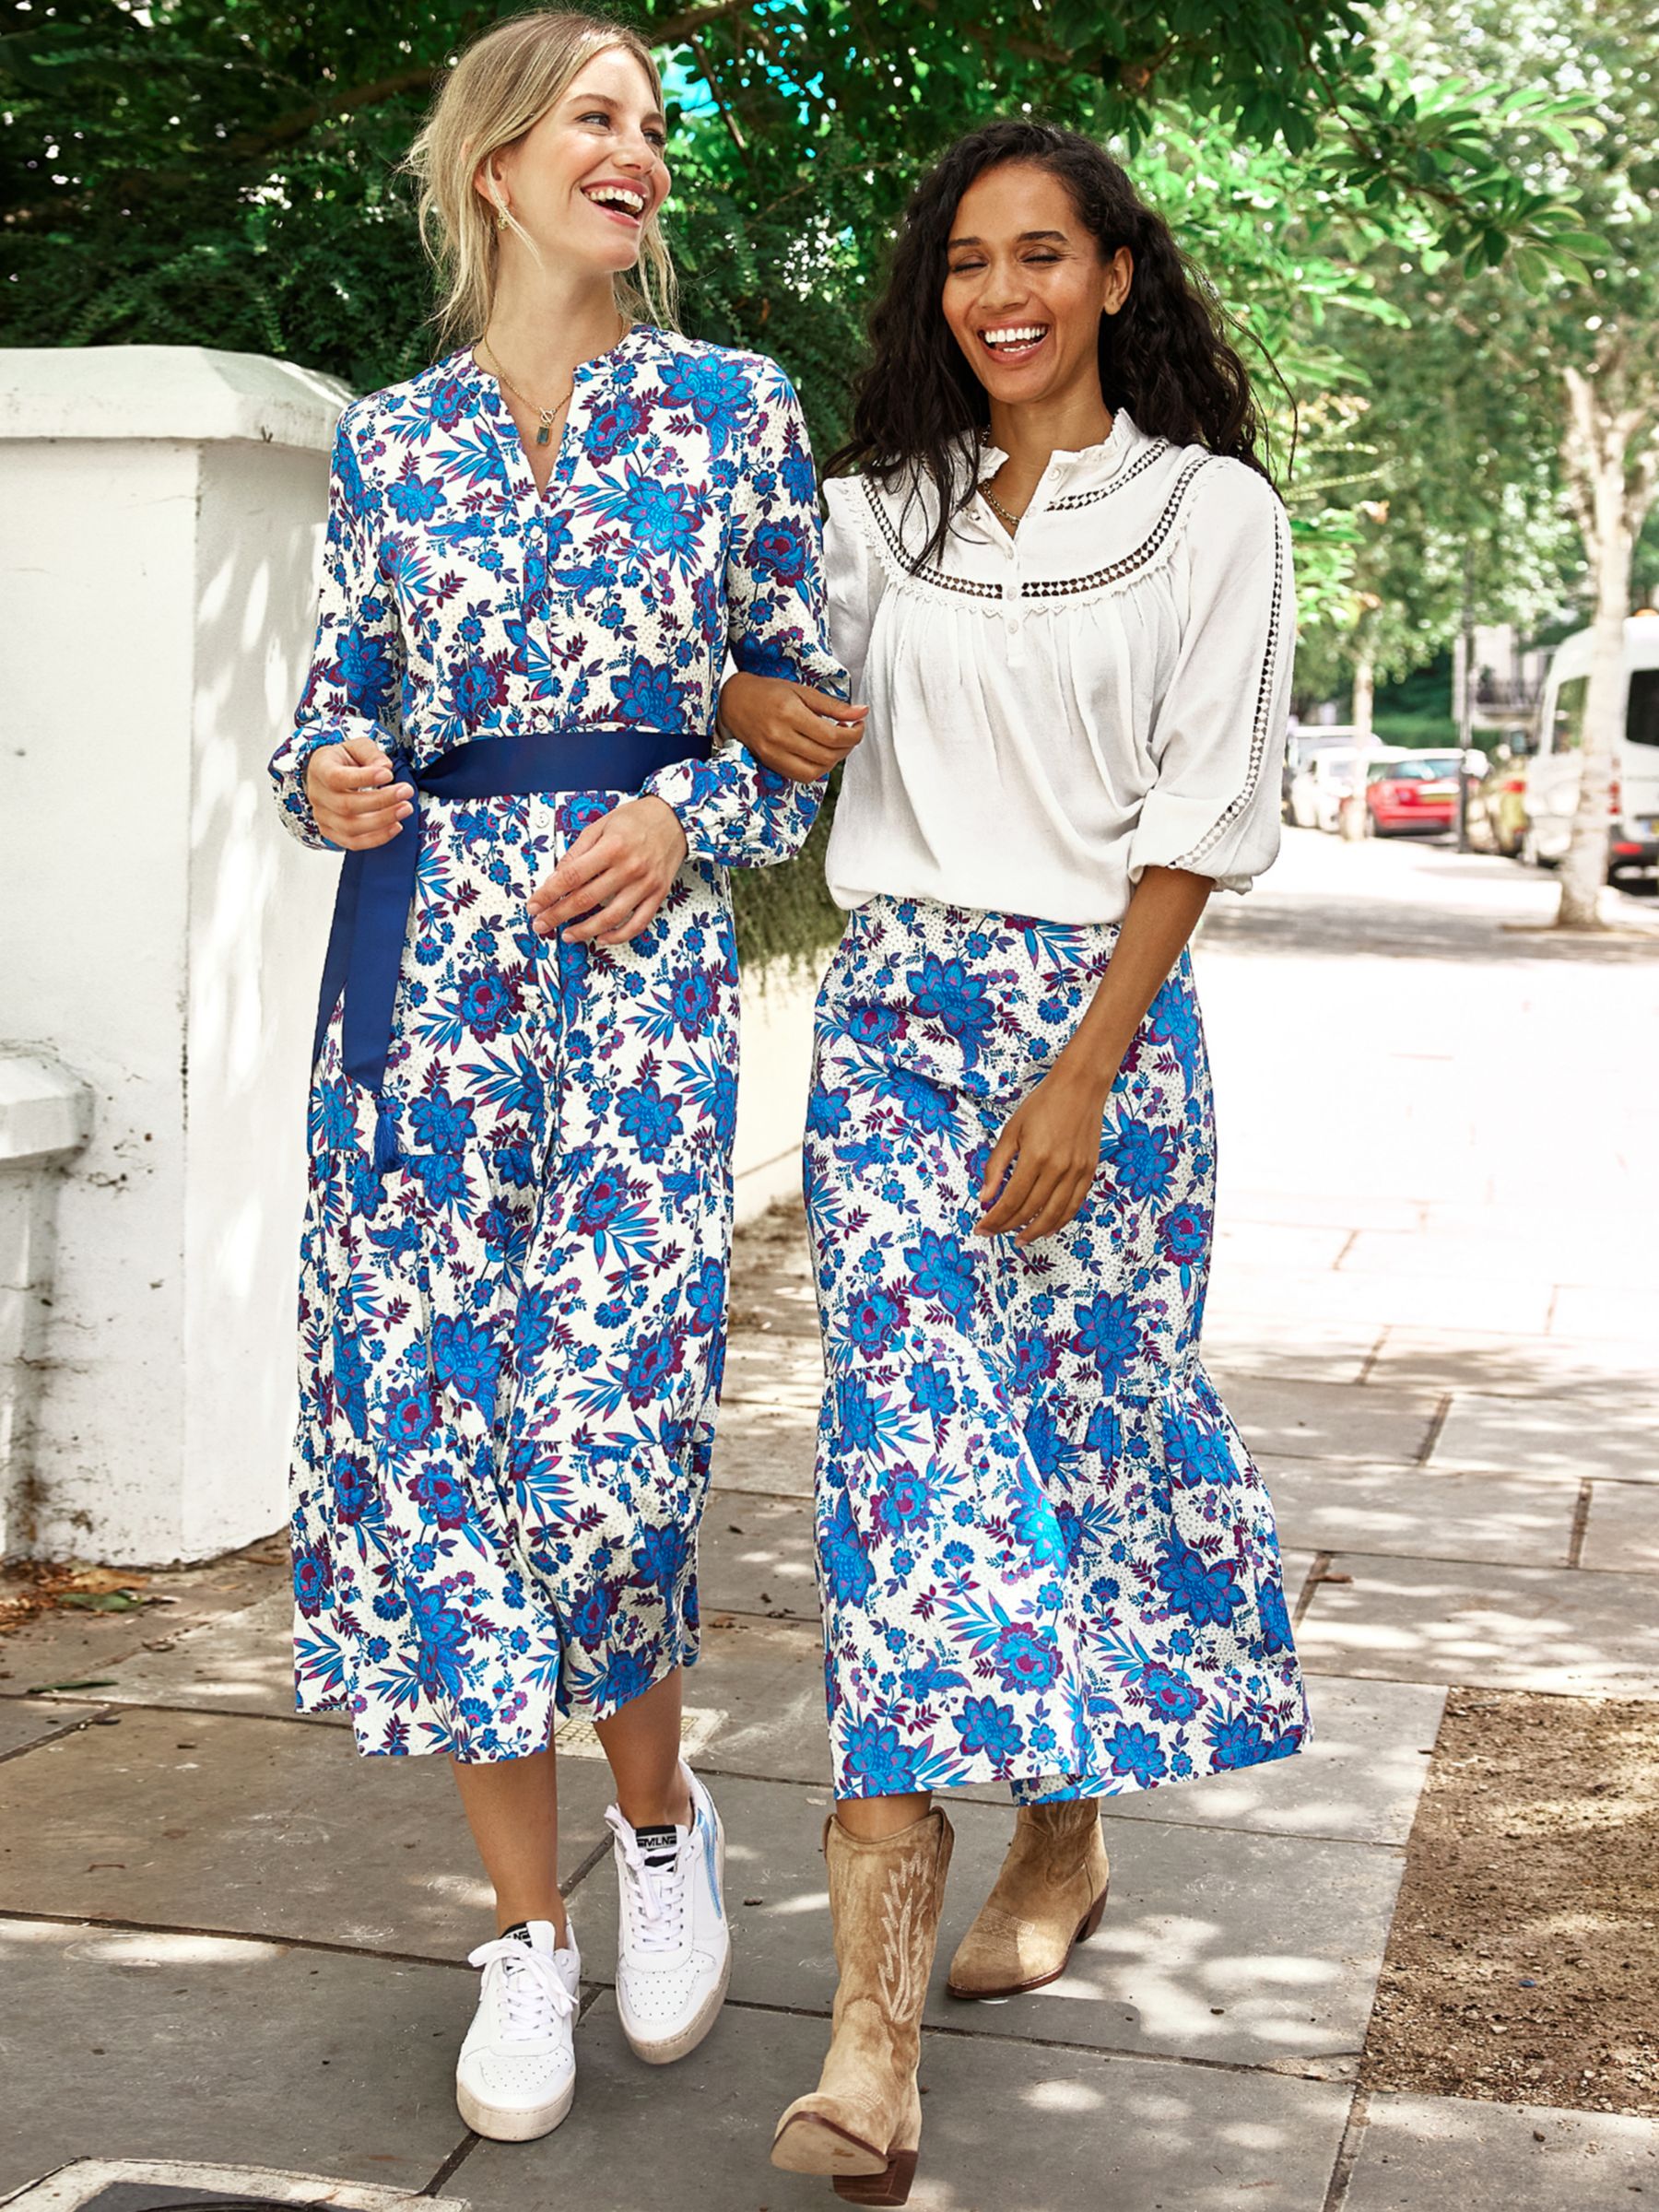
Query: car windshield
{"x": 1431, "y": 769}
{"x": 1641, "y": 722}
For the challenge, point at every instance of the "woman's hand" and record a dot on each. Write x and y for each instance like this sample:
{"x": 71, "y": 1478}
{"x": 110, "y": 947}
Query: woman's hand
{"x": 1050, "y": 1151}
{"x": 790, "y": 728}
{"x": 614, "y": 877}
{"x": 353, "y": 799}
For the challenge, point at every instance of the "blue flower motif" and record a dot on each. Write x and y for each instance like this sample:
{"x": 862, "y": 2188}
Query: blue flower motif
{"x": 872, "y": 1320}
{"x": 441, "y": 1123}
{"x": 705, "y": 1297}
{"x": 468, "y": 1360}
{"x": 650, "y": 696}
{"x": 959, "y": 999}
{"x": 650, "y": 1121}
{"x": 651, "y": 1364}
{"x": 932, "y": 1390}
{"x": 1024, "y": 1659}
{"x": 989, "y": 1730}
{"x": 1135, "y": 1750}
{"x": 841, "y": 1556}
{"x": 1208, "y": 1596}
{"x": 1142, "y": 1159}
{"x": 878, "y": 1760}
{"x": 1273, "y": 1615}
{"x": 1109, "y": 1332}
{"x": 940, "y": 1269}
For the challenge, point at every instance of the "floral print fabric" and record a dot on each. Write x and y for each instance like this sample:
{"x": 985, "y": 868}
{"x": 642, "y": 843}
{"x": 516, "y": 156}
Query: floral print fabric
{"x": 1044, "y": 1556}
{"x": 511, "y": 1344}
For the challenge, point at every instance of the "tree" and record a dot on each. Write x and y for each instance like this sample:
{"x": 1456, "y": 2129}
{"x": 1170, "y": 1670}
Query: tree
{"x": 1580, "y": 354}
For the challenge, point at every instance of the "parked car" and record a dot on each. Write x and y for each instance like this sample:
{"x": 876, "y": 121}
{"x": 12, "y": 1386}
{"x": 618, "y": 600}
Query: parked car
{"x": 1550, "y": 799}
{"x": 1303, "y": 744}
{"x": 1417, "y": 792}
{"x": 1498, "y": 805}
{"x": 1326, "y": 778}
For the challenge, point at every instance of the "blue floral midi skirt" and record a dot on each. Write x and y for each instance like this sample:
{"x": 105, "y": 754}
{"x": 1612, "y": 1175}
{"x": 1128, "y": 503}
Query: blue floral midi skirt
{"x": 1044, "y": 1556}
{"x": 511, "y": 1344}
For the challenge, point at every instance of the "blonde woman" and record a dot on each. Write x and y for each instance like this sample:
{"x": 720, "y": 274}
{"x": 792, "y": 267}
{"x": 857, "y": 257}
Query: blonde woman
{"x": 514, "y": 1260}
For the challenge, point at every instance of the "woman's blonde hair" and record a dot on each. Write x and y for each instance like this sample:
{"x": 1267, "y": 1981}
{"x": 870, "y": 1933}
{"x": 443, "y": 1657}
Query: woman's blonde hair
{"x": 502, "y": 85}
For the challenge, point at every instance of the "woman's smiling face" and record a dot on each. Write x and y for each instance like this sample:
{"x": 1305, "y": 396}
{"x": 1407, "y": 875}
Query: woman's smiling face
{"x": 1026, "y": 284}
{"x": 586, "y": 180}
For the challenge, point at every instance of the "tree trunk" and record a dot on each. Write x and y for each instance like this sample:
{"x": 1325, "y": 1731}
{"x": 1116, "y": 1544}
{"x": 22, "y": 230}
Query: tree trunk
{"x": 1611, "y": 498}
{"x": 1352, "y": 817}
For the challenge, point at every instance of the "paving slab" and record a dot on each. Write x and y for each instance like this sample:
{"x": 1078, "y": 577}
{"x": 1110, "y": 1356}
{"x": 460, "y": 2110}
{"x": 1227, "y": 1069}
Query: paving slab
{"x": 1421, "y": 2152}
{"x": 1250, "y": 1346}
{"x": 1548, "y": 1253}
{"x": 1621, "y": 1535}
{"x": 1498, "y": 1628}
{"x": 25, "y": 1722}
{"x": 68, "y": 1643}
{"x": 1007, "y": 2128}
{"x": 1339, "y": 1424}
{"x": 1550, "y": 1436}
{"x": 1511, "y": 1519}
{"x": 1318, "y": 1210}
{"x": 115, "y": 2043}
{"x": 775, "y": 1368}
{"x": 1597, "y": 1370}
{"x": 1198, "y": 1956}
{"x": 1425, "y": 1300}
{"x": 260, "y": 1828}
{"x": 765, "y": 1680}
{"x": 1359, "y": 1778}
{"x": 755, "y": 1555}
{"x": 1302, "y": 1246}
{"x": 154, "y": 2185}
{"x": 1632, "y": 1316}
{"x": 759, "y": 1447}
{"x": 243, "y": 1663}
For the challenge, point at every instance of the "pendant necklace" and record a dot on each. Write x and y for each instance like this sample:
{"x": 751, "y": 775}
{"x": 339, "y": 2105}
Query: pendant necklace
{"x": 545, "y": 415}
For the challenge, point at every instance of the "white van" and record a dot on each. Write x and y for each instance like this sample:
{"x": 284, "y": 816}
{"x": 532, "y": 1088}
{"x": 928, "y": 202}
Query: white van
{"x": 1552, "y": 768}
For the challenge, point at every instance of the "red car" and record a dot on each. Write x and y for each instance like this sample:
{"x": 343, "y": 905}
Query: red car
{"x": 1419, "y": 792}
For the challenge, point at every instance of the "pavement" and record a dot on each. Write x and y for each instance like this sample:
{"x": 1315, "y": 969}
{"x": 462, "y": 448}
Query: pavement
{"x": 1433, "y": 1312}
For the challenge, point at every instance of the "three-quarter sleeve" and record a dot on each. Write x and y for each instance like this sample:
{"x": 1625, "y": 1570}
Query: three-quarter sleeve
{"x": 732, "y": 810}
{"x": 353, "y": 687}
{"x": 1218, "y": 735}
{"x": 852, "y": 578}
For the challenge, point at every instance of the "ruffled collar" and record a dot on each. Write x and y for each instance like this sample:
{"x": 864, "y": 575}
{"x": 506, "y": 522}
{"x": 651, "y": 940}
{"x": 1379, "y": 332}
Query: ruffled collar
{"x": 1093, "y": 463}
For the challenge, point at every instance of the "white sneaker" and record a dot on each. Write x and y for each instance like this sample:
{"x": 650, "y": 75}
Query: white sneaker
{"x": 516, "y": 2073}
{"x": 673, "y": 1949}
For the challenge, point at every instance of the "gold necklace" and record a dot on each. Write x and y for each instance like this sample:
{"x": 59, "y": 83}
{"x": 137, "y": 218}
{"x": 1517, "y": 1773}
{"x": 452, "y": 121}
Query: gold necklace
{"x": 997, "y": 508}
{"x": 545, "y": 414}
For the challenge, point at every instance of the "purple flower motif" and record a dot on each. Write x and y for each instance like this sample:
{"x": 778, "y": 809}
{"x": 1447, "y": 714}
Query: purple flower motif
{"x": 650, "y": 698}
{"x": 599, "y": 1204}
{"x": 440, "y": 1496}
{"x": 313, "y": 1580}
{"x": 1142, "y": 1159}
{"x": 411, "y": 1416}
{"x": 942, "y": 1270}
{"x": 692, "y": 995}
{"x": 1024, "y": 1659}
{"x": 489, "y": 1002}
{"x": 466, "y": 1360}
{"x": 961, "y": 1000}
{"x": 653, "y": 1361}
{"x": 1107, "y": 1331}
{"x": 1175, "y": 1696}
{"x": 874, "y": 1758}
{"x": 872, "y": 1318}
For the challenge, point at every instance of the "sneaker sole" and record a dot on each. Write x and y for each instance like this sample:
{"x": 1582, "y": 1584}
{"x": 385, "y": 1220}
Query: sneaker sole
{"x": 499, "y": 2125}
{"x": 665, "y": 2052}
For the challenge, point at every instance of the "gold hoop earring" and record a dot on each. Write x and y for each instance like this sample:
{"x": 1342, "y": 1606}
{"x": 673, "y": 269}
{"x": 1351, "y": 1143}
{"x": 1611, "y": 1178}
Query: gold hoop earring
{"x": 503, "y": 219}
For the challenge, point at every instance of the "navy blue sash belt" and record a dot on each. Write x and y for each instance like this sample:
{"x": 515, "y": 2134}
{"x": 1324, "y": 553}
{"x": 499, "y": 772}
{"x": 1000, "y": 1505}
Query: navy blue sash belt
{"x": 377, "y": 887}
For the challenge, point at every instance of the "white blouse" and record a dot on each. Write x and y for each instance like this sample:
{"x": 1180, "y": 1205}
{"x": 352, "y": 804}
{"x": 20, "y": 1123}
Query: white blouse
{"x": 1051, "y": 712}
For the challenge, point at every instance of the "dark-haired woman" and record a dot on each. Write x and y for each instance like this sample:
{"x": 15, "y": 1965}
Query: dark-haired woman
{"x": 1064, "y": 584}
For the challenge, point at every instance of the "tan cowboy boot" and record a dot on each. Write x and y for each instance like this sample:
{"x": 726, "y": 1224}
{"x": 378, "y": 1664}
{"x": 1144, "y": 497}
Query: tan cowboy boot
{"x": 1049, "y": 1896}
{"x": 862, "y": 2122}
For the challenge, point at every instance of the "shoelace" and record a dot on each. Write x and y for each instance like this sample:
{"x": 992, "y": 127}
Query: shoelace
{"x": 532, "y": 1994}
{"x": 659, "y": 1891}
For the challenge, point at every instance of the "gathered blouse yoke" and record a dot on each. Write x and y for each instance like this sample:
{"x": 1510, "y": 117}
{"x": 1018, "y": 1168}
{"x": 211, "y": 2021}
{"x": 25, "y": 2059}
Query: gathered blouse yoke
{"x": 1056, "y": 710}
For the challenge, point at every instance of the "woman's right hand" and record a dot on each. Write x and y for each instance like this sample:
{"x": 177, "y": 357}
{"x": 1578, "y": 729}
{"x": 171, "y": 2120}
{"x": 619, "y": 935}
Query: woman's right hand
{"x": 789, "y": 727}
{"x": 353, "y": 798}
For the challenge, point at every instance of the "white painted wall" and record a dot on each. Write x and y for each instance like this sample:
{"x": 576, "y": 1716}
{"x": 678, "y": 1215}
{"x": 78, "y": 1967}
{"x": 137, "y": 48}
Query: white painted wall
{"x": 160, "y": 515}
{"x": 159, "y": 523}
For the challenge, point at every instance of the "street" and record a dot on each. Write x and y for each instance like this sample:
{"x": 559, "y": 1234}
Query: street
{"x": 1433, "y": 1314}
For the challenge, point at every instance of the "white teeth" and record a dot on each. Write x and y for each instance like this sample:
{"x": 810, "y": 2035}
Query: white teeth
{"x": 618, "y": 195}
{"x": 1026, "y": 335}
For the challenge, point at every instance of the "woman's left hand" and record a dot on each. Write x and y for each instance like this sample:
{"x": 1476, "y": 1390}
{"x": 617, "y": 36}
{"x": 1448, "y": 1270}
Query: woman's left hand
{"x": 1050, "y": 1151}
{"x": 614, "y": 877}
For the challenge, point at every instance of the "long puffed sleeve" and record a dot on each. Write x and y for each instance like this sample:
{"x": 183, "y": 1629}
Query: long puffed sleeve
{"x": 1219, "y": 733}
{"x": 732, "y": 810}
{"x": 854, "y": 577}
{"x": 354, "y": 689}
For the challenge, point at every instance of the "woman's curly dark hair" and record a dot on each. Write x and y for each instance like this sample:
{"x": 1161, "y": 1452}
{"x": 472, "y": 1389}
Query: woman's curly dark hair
{"x": 917, "y": 404}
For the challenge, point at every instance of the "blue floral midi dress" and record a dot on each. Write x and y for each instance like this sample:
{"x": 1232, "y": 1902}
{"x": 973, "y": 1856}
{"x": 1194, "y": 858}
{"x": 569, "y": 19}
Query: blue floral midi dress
{"x": 512, "y": 1339}
{"x": 1044, "y": 1555}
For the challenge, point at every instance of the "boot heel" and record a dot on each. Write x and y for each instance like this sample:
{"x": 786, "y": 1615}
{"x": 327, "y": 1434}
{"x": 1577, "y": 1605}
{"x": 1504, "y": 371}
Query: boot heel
{"x": 893, "y": 2187}
{"x": 1091, "y": 1920}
